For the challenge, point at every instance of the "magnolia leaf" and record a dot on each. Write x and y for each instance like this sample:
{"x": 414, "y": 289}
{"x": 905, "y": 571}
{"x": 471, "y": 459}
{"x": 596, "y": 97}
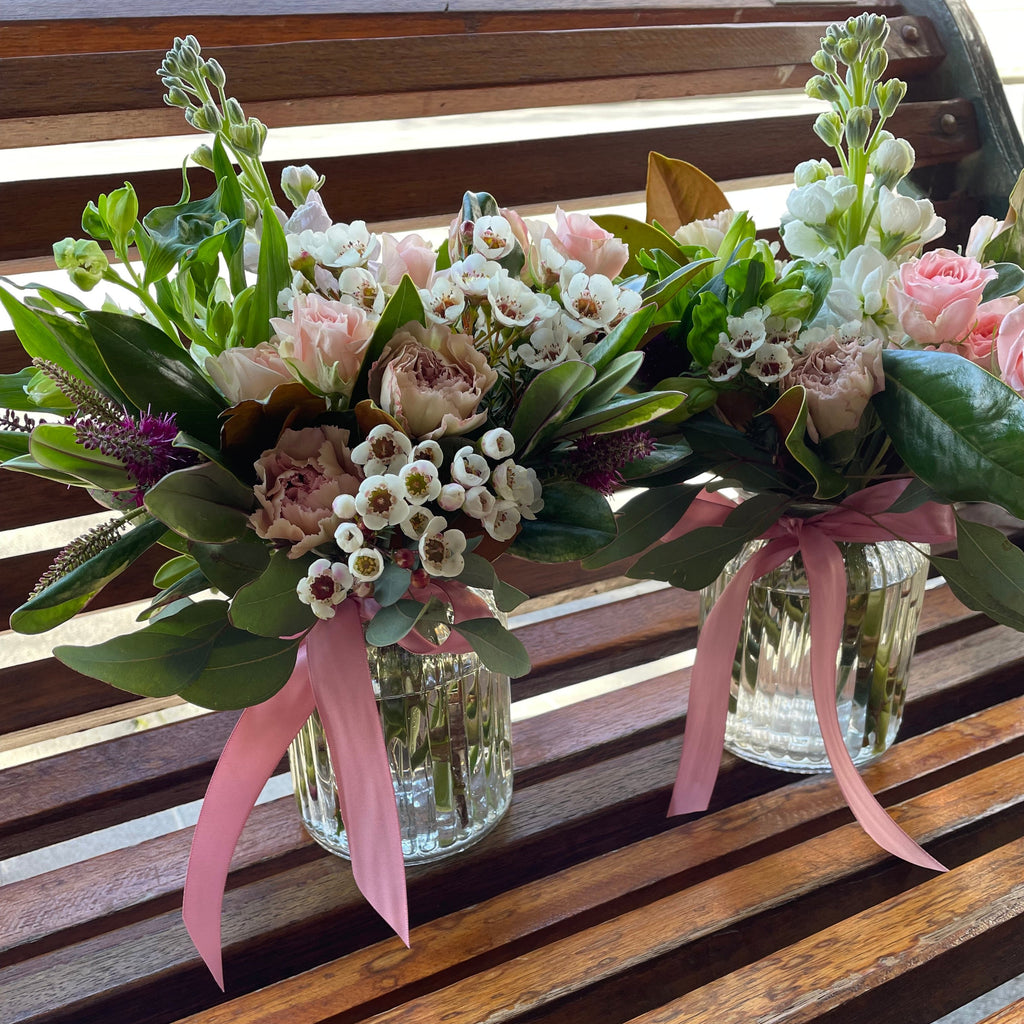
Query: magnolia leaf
{"x": 576, "y": 521}
{"x": 54, "y": 446}
{"x": 404, "y": 307}
{"x": 957, "y": 428}
{"x": 156, "y": 373}
{"x": 988, "y": 573}
{"x": 231, "y": 566}
{"x": 1008, "y": 281}
{"x": 496, "y": 647}
{"x": 678, "y": 193}
{"x": 664, "y": 458}
{"x": 204, "y": 503}
{"x": 174, "y": 571}
{"x": 643, "y": 521}
{"x": 552, "y": 394}
{"x": 790, "y": 415}
{"x": 914, "y": 495}
{"x": 71, "y": 593}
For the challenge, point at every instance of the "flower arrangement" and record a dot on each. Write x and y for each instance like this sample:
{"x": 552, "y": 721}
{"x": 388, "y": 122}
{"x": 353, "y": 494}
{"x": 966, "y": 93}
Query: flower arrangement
{"x": 306, "y": 411}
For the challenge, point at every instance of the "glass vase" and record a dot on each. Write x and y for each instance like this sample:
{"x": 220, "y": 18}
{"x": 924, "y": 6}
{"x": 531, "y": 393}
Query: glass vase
{"x": 772, "y": 719}
{"x": 446, "y": 722}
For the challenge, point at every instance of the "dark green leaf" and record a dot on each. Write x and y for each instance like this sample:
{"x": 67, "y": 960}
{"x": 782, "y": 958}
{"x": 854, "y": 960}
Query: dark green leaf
{"x": 624, "y": 337}
{"x": 174, "y": 571}
{"x": 691, "y": 562}
{"x": 664, "y": 458}
{"x": 552, "y": 392}
{"x": 1009, "y": 281}
{"x": 621, "y": 413}
{"x": 204, "y": 503}
{"x": 13, "y": 444}
{"x": 496, "y": 647}
{"x": 576, "y": 521}
{"x": 231, "y": 566}
{"x": 54, "y": 446}
{"x": 392, "y": 623}
{"x": 790, "y": 415}
{"x": 956, "y": 427}
{"x": 269, "y": 606}
{"x": 615, "y": 376}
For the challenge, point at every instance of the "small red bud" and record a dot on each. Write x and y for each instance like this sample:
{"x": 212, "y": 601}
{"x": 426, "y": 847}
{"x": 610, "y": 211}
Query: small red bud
{"x": 420, "y": 578}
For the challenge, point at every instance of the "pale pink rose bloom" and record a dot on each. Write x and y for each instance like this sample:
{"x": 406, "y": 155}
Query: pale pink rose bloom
{"x": 412, "y": 255}
{"x": 936, "y": 297}
{"x": 1010, "y": 349}
{"x": 977, "y": 344}
{"x": 243, "y": 373}
{"x": 582, "y": 239}
{"x": 324, "y": 341}
{"x": 431, "y": 381}
{"x": 298, "y": 482}
{"x": 839, "y": 377}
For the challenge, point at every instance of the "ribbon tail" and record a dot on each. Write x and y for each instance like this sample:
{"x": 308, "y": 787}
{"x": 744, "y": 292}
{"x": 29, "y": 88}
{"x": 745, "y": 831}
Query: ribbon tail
{"x": 826, "y": 578}
{"x": 708, "y": 708}
{"x": 252, "y": 752}
{"x": 348, "y": 709}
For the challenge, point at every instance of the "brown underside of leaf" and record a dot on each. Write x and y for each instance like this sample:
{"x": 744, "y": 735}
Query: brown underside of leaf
{"x": 678, "y": 192}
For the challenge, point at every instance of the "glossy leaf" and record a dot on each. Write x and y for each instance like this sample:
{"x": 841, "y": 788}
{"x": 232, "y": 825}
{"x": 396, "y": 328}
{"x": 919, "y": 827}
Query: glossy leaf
{"x": 678, "y": 193}
{"x": 663, "y": 459}
{"x": 623, "y": 338}
{"x": 204, "y": 503}
{"x": 54, "y": 446}
{"x": 268, "y": 605}
{"x": 956, "y": 427}
{"x": 639, "y": 236}
{"x": 500, "y": 650}
{"x": 173, "y": 571}
{"x": 622, "y": 413}
{"x": 790, "y": 415}
{"x": 71, "y": 593}
{"x": 231, "y": 566}
{"x": 576, "y": 521}
{"x": 272, "y": 275}
{"x": 552, "y": 392}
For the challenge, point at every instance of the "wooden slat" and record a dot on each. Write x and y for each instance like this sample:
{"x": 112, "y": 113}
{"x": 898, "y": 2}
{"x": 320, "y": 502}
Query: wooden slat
{"x": 376, "y": 187}
{"x": 1012, "y": 1014}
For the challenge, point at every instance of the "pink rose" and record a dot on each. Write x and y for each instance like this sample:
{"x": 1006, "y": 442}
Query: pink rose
{"x": 936, "y": 297}
{"x": 324, "y": 342}
{"x": 431, "y": 381}
{"x": 1010, "y": 349}
{"x": 598, "y": 250}
{"x": 839, "y": 378}
{"x": 977, "y": 344}
{"x": 242, "y": 373}
{"x": 298, "y": 481}
{"x": 410, "y": 255}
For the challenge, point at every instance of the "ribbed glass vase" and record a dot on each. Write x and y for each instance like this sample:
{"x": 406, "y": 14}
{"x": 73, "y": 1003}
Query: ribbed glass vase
{"x": 446, "y": 722}
{"x": 772, "y": 719}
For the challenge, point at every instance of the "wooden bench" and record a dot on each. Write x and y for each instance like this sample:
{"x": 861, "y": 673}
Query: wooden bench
{"x": 586, "y": 904}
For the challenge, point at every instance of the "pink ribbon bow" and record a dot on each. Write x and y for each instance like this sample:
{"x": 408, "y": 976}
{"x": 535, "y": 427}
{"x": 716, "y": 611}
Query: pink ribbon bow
{"x": 331, "y": 676}
{"x": 860, "y": 518}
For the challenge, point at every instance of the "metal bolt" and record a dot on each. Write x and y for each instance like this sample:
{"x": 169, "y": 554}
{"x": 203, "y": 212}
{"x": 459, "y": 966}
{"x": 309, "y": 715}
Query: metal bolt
{"x": 948, "y": 124}
{"x": 911, "y": 34}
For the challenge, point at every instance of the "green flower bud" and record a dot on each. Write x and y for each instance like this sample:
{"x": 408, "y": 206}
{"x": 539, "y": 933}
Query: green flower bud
{"x": 849, "y": 51}
{"x": 825, "y": 62}
{"x": 203, "y": 157}
{"x": 233, "y": 111}
{"x": 185, "y": 54}
{"x": 858, "y": 126}
{"x": 121, "y": 211}
{"x": 215, "y": 73}
{"x": 94, "y": 224}
{"x": 876, "y": 63}
{"x": 829, "y": 128}
{"x": 298, "y": 182}
{"x": 176, "y": 98}
{"x": 821, "y": 88}
{"x": 211, "y": 117}
{"x": 83, "y": 259}
{"x": 888, "y": 95}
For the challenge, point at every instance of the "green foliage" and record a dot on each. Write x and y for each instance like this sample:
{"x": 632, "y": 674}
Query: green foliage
{"x": 576, "y": 522}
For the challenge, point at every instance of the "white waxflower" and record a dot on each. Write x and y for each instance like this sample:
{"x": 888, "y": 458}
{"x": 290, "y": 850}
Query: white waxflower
{"x": 472, "y": 275}
{"x": 416, "y": 522}
{"x": 479, "y": 502}
{"x": 745, "y": 334}
{"x": 358, "y": 287}
{"x": 592, "y": 299}
{"x": 498, "y": 443}
{"x": 366, "y": 564}
{"x": 513, "y": 303}
{"x": 385, "y": 450}
{"x": 429, "y": 450}
{"x": 724, "y": 365}
{"x": 381, "y": 501}
{"x": 348, "y": 537}
{"x": 344, "y": 506}
{"x": 771, "y": 363}
{"x": 443, "y": 301}
{"x": 468, "y": 468}
{"x": 349, "y": 245}
{"x": 493, "y": 237}
{"x": 441, "y": 549}
{"x": 325, "y": 585}
{"x": 503, "y": 521}
{"x": 781, "y": 329}
{"x": 452, "y": 497}
{"x": 546, "y": 346}
{"x": 421, "y": 481}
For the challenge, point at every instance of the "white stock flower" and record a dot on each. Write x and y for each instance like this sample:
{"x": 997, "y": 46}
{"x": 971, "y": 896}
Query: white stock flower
{"x": 771, "y": 363}
{"x": 443, "y": 301}
{"x": 385, "y": 450}
{"x": 325, "y": 585}
{"x": 381, "y": 501}
{"x": 497, "y": 443}
{"x": 709, "y": 232}
{"x": 469, "y": 468}
{"x": 441, "y": 549}
{"x": 891, "y": 161}
{"x": 808, "y": 171}
{"x": 366, "y": 564}
{"x": 421, "y": 481}
{"x": 348, "y": 537}
{"x": 493, "y": 237}
{"x": 860, "y": 283}
{"x": 513, "y": 303}
{"x": 801, "y": 239}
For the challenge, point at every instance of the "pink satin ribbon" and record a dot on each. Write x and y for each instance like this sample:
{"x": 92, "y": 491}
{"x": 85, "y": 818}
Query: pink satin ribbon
{"x": 331, "y": 676}
{"x": 816, "y": 539}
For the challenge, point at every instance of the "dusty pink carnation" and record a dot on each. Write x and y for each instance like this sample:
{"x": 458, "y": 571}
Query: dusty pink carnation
{"x": 242, "y": 373}
{"x": 298, "y": 481}
{"x": 324, "y": 341}
{"x": 431, "y": 381}
{"x": 839, "y": 378}
{"x": 936, "y": 297}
